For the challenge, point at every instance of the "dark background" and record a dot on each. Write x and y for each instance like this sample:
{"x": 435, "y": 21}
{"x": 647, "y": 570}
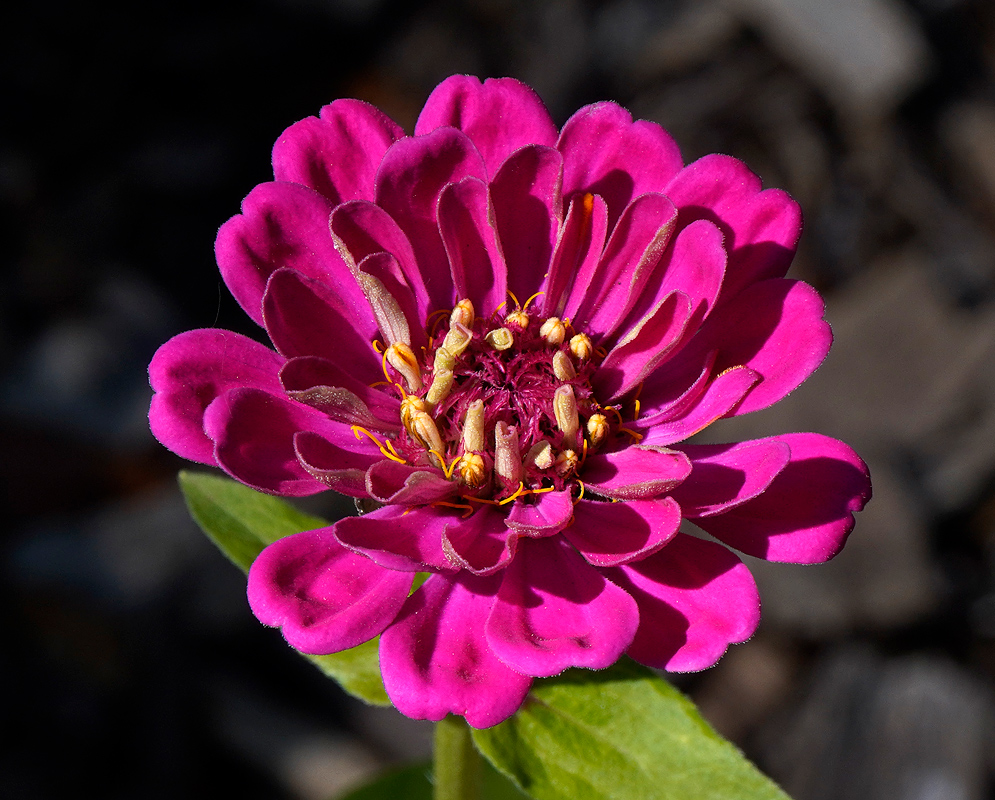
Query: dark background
{"x": 130, "y": 663}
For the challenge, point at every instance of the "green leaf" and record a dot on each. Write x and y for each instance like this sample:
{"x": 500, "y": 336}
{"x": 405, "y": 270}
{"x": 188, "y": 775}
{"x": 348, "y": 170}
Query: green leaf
{"x": 414, "y": 782}
{"x": 241, "y": 522}
{"x": 623, "y": 732}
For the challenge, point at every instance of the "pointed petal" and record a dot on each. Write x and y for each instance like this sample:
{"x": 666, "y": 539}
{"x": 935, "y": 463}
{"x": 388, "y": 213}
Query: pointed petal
{"x": 761, "y": 228}
{"x": 606, "y": 153}
{"x": 189, "y": 371}
{"x": 325, "y": 598}
{"x": 281, "y": 225}
{"x": 554, "y": 611}
{"x": 435, "y": 659}
{"x": 338, "y": 154}
{"x": 636, "y": 472}
{"x": 500, "y": 115}
{"x": 526, "y": 197}
{"x": 549, "y": 514}
{"x": 806, "y": 513}
{"x": 695, "y": 599}
{"x": 609, "y": 534}
{"x": 399, "y": 537}
{"x": 475, "y": 260}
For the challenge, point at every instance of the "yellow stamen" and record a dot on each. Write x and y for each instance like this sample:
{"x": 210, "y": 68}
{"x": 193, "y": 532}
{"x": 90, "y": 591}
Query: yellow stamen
{"x": 580, "y": 496}
{"x": 469, "y": 508}
{"x": 527, "y": 302}
{"x": 511, "y": 294}
{"x": 358, "y": 430}
{"x": 377, "y": 344}
{"x": 519, "y": 492}
{"x": 637, "y": 436}
{"x": 635, "y": 402}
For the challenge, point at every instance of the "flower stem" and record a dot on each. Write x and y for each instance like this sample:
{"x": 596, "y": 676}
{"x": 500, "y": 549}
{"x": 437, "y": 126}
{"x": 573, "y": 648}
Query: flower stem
{"x": 456, "y": 762}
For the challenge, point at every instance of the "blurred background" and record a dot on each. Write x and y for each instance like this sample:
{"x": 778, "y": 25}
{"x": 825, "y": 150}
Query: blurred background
{"x": 131, "y": 663}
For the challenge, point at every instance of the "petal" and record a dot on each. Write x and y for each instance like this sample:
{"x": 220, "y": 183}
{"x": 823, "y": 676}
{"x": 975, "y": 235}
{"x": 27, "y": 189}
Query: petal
{"x": 761, "y": 228}
{"x": 554, "y": 611}
{"x": 391, "y": 300}
{"x": 526, "y": 197}
{"x": 549, "y": 514}
{"x": 636, "y": 472}
{"x": 306, "y": 318}
{"x": 253, "y": 433}
{"x": 481, "y": 544}
{"x": 340, "y": 468}
{"x": 475, "y": 260}
{"x": 338, "y": 154}
{"x": 401, "y": 538}
{"x": 609, "y": 534}
{"x": 806, "y": 513}
{"x": 189, "y": 371}
{"x": 403, "y": 484}
{"x": 602, "y": 298}
{"x": 695, "y": 599}
{"x": 281, "y": 225}
{"x": 325, "y": 598}
{"x": 606, "y": 153}
{"x": 435, "y": 659}
{"x": 577, "y": 252}
{"x": 412, "y": 175}
{"x": 724, "y": 476}
{"x": 499, "y": 116}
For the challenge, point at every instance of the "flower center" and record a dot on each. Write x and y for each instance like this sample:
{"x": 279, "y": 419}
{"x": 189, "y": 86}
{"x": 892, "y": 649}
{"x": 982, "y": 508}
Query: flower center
{"x": 503, "y": 405}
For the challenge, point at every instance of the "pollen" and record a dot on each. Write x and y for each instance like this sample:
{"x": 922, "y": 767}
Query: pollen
{"x": 581, "y": 347}
{"x": 553, "y": 331}
{"x": 471, "y": 470}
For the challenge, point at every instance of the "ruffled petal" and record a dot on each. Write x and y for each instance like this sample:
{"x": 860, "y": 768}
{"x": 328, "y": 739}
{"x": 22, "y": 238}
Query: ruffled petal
{"x": 761, "y": 228}
{"x": 400, "y": 538}
{"x": 606, "y": 153}
{"x": 499, "y": 115}
{"x": 281, "y": 225}
{"x": 526, "y": 197}
{"x": 475, "y": 260}
{"x": 609, "y": 534}
{"x": 338, "y": 154}
{"x": 412, "y": 175}
{"x": 549, "y": 514}
{"x": 554, "y": 611}
{"x": 695, "y": 598}
{"x": 636, "y": 472}
{"x": 189, "y": 371}
{"x": 806, "y": 513}
{"x": 435, "y": 659}
{"x": 307, "y": 318}
{"x": 253, "y": 433}
{"x": 325, "y": 598}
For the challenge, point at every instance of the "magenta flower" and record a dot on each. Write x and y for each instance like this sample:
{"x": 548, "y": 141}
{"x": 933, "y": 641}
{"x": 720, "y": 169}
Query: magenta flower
{"x": 500, "y": 335}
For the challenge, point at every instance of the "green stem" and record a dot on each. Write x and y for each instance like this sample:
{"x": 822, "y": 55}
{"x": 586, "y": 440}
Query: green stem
{"x": 456, "y": 762}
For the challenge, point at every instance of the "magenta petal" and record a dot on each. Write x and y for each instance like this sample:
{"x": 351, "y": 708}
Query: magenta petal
{"x": 338, "y": 154}
{"x": 325, "y": 598}
{"x": 481, "y": 543}
{"x": 576, "y": 255}
{"x": 806, "y": 513}
{"x": 526, "y": 197}
{"x": 189, "y": 371}
{"x": 340, "y": 468}
{"x": 719, "y": 399}
{"x": 606, "y": 153}
{"x": 403, "y": 484}
{"x": 499, "y": 116}
{"x": 475, "y": 260}
{"x": 253, "y": 433}
{"x": 549, "y": 514}
{"x": 609, "y": 534}
{"x": 306, "y": 377}
{"x": 412, "y": 175}
{"x": 724, "y": 476}
{"x": 395, "y": 537}
{"x": 695, "y": 599}
{"x": 435, "y": 659}
{"x": 554, "y": 611}
{"x": 636, "y": 472}
{"x": 281, "y": 225}
{"x": 307, "y": 318}
{"x": 761, "y": 228}
{"x": 601, "y": 300}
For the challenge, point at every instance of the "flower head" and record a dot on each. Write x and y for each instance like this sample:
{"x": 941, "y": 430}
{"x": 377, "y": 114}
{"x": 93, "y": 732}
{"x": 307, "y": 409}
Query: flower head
{"x": 502, "y": 335}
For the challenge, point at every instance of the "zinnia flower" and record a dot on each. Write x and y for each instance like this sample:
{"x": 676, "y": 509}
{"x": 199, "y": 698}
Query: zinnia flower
{"x": 498, "y": 336}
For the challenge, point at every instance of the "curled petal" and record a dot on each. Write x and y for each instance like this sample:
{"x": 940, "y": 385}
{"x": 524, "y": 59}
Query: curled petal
{"x": 481, "y": 544}
{"x": 549, "y": 514}
{"x": 806, "y": 513}
{"x": 554, "y": 611}
{"x": 313, "y": 380}
{"x": 189, "y": 371}
{"x": 395, "y": 537}
{"x": 499, "y": 115}
{"x": 609, "y": 534}
{"x": 577, "y": 252}
{"x": 337, "y": 467}
{"x": 325, "y": 598}
{"x": 435, "y": 658}
{"x": 403, "y": 484}
{"x": 338, "y": 153}
{"x": 636, "y": 472}
{"x": 695, "y": 598}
